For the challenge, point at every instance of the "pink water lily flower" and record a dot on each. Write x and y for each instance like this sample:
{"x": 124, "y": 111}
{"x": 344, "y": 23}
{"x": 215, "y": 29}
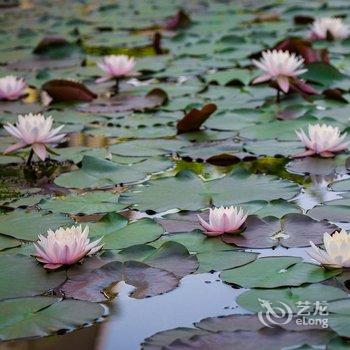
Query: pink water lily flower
{"x": 223, "y": 220}
{"x": 65, "y": 246}
{"x": 116, "y": 66}
{"x": 279, "y": 66}
{"x": 323, "y": 140}
{"x": 12, "y": 88}
{"x": 335, "y": 27}
{"x": 36, "y": 131}
{"x": 337, "y": 250}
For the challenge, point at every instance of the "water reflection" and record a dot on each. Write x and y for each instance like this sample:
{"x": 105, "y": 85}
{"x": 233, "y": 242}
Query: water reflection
{"x": 199, "y": 296}
{"x": 319, "y": 192}
{"x": 281, "y": 251}
{"x": 83, "y": 139}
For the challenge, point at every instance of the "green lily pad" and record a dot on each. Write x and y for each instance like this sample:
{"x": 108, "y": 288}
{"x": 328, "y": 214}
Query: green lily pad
{"x": 96, "y": 172}
{"x": 31, "y": 278}
{"x": 187, "y": 192}
{"x": 273, "y": 272}
{"x": 8, "y": 242}
{"x": 249, "y": 300}
{"x": 42, "y": 316}
{"x": 222, "y": 260}
{"x": 15, "y": 223}
{"x": 117, "y": 233}
{"x": 322, "y": 73}
{"x": 86, "y": 203}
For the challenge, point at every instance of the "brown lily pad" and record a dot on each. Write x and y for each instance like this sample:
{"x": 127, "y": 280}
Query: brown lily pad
{"x": 303, "y": 48}
{"x": 268, "y": 339}
{"x": 257, "y": 234}
{"x": 292, "y": 230}
{"x": 180, "y": 20}
{"x": 61, "y": 90}
{"x": 300, "y": 47}
{"x": 96, "y": 285}
{"x": 335, "y": 94}
{"x": 193, "y": 120}
{"x": 303, "y": 19}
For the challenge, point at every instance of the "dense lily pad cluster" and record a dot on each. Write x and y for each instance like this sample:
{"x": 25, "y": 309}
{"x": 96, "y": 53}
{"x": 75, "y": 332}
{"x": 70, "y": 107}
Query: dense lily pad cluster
{"x": 167, "y": 116}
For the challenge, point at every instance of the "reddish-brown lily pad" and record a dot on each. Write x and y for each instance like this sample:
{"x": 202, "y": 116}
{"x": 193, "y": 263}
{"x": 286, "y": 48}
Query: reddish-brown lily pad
{"x": 193, "y": 120}
{"x": 292, "y": 230}
{"x": 268, "y": 339}
{"x": 180, "y": 20}
{"x": 61, "y": 90}
{"x": 96, "y": 285}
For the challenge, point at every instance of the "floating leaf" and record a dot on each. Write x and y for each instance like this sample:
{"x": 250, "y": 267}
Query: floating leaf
{"x": 98, "y": 173}
{"x": 43, "y": 316}
{"x": 90, "y": 285}
{"x": 293, "y": 230}
{"x": 193, "y": 120}
{"x": 302, "y": 47}
{"x": 173, "y": 257}
{"x": 15, "y": 223}
{"x": 273, "y": 272}
{"x": 87, "y": 203}
{"x": 241, "y": 187}
{"x": 118, "y": 234}
{"x": 180, "y": 20}
{"x": 149, "y": 148}
{"x": 185, "y": 191}
{"x": 194, "y": 241}
{"x": 8, "y": 242}
{"x": 142, "y": 231}
{"x": 68, "y": 91}
{"x": 322, "y": 73}
{"x": 231, "y": 77}
{"x": 123, "y": 103}
{"x": 267, "y": 339}
{"x": 56, "y": 47}
{"x": 21, "y": 276}
{"x": 249, "y": 300}
{"x": 222, "y": 260}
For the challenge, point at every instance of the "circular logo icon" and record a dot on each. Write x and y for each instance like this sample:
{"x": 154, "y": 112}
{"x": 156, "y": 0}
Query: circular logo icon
{"x": 274, "y": 314}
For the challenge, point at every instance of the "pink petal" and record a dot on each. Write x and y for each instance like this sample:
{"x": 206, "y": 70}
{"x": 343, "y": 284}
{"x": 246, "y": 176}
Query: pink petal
{"x": 304, "y": 154}
{"x": 40, "y": 150}
{"x": 261, "y": 79}
{"x": 102, "y": 79}
{"x": 52, "y": 266}
{"x": 14, "y": 147}
{"x": 283, "y": 83}
{"x": 204, "y": 224}
{"x": 226, "y": 223}
{"x": 212, "y": 233}
{"x": 327, "y": 154}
